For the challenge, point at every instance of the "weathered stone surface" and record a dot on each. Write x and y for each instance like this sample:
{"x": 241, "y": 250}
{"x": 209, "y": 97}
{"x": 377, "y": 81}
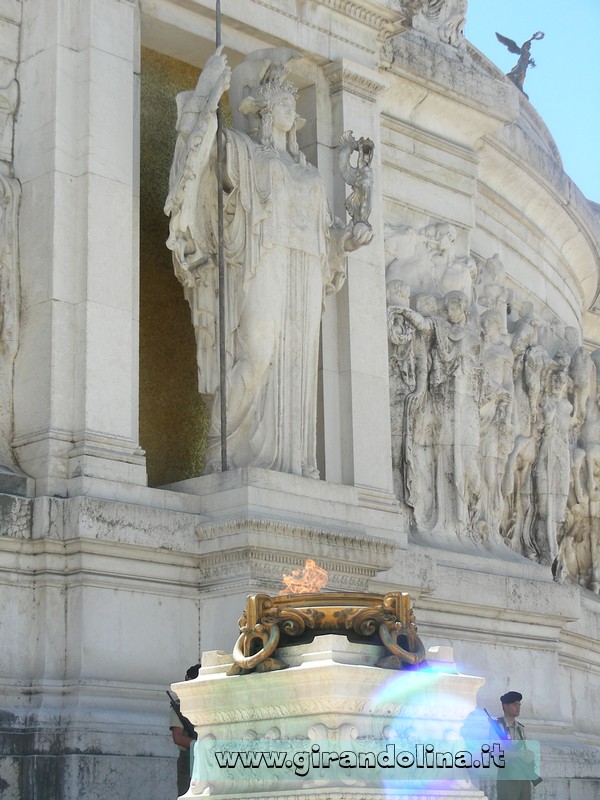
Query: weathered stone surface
{"x": 109, "y": 589}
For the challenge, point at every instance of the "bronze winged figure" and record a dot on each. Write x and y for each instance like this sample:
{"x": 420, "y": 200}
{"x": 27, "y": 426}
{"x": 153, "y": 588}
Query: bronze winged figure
{"x": 517, "y": 73}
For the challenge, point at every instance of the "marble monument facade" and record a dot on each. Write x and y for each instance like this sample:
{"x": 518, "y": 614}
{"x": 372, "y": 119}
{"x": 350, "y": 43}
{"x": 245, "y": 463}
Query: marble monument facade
{"x": 456, "y": 427}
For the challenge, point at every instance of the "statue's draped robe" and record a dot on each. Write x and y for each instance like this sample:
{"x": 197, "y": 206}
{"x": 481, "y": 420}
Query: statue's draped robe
{"x": 278, "y": 265}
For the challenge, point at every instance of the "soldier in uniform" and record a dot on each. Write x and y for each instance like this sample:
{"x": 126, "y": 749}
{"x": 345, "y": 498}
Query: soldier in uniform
{"x": 519, "y": 775}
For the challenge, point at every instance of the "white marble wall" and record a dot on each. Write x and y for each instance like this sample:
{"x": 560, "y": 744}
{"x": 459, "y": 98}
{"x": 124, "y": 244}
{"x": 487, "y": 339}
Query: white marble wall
{"x": 112, "y": 588}
{"x": 75, "y": 156}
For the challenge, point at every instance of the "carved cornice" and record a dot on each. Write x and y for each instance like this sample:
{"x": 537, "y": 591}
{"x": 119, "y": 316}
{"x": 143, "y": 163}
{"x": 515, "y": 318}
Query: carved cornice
{"x": 261, "y": 550}
{"x": 358, "y": 12}
{"x": 318, "y": 28}
{"x": 345, "y": 76}
{"x": 253, "y": 565}
{"x": 331, "y": 537}
{"x": 373, "y": 15}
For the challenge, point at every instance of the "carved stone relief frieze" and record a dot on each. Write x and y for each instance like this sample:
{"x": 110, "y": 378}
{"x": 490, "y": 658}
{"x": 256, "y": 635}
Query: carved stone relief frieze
{"x": 579, "y": 543}
{"x": 494, "y": 407}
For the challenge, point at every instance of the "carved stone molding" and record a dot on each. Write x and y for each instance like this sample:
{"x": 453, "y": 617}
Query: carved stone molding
{"x": 386, "y": 21}
{"x": 358, "y": 12}
{"x": 262, "y": 550}
{"x": 345, "y": 76}
{"x": 251, "y": 566}
{"x": 353, "y": 8}
{"x": 239, "y": 567}
{"x": 331, "y": 537}
{"x": 309, "y": 708}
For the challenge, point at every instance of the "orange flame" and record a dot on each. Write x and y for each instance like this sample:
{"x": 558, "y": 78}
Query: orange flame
{"x": 311, "y": 578}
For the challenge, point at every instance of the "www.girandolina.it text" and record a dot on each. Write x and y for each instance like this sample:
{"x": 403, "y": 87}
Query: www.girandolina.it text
{"x": 392, "y": 757}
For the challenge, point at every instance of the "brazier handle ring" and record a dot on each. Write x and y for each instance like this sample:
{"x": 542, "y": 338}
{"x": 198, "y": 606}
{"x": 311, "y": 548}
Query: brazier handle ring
{"x": 269, "y": 638}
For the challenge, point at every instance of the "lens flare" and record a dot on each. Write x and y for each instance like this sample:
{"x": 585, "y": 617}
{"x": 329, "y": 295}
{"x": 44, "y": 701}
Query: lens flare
{"x": 431, "y": 711}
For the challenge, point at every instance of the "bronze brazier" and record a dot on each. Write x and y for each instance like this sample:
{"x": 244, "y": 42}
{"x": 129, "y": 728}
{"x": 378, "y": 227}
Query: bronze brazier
{"x": 269, "y": 623}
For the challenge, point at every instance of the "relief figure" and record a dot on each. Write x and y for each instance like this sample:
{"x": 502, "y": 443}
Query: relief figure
{"x": 495, "y": 412}
{"x": 453, "y": 382}
{"x": 552, "y": 469}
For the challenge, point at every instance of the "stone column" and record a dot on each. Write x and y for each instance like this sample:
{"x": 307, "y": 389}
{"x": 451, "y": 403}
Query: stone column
{"x": 359, "y": 423}
{"x": 76, "y": 373}
{"x": 10, "y": 191}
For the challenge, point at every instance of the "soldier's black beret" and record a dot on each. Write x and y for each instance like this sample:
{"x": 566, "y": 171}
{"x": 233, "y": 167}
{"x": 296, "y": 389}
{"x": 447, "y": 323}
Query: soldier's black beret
{"x": 510, "y": 697}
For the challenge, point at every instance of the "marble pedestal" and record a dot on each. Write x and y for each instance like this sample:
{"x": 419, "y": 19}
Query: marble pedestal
{"x": 330, "y": 695}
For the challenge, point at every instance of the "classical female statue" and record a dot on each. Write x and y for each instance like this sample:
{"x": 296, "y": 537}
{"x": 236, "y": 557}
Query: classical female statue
{"x": 283, "y": 254}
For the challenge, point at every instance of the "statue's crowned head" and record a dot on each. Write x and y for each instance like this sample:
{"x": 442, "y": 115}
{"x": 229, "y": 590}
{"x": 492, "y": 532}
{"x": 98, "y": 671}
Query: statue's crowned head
{"x": 272, "y": 90}
{"x": 257, "y": 86}
{"x": 260, "y": 104}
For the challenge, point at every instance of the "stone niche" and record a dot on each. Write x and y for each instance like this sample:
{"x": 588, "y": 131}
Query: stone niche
{"x": 173, "y": 416}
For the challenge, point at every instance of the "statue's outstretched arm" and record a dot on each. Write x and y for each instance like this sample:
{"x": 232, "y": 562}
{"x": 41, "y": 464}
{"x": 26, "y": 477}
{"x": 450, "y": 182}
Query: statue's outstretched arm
{"x": 212, "y": 83}
{"x": 196, "y": 127}
{"x": 417, "y": 320}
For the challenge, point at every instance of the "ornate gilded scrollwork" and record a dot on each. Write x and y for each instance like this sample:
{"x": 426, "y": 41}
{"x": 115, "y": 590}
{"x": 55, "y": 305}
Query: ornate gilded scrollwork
{"x": 380, "y": 619}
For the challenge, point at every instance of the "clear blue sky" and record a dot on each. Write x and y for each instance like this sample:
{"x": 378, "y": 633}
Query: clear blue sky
{"x": 564, "y": 87}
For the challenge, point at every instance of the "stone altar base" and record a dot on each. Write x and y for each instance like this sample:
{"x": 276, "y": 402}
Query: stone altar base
{"x": 329, "y": 698}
